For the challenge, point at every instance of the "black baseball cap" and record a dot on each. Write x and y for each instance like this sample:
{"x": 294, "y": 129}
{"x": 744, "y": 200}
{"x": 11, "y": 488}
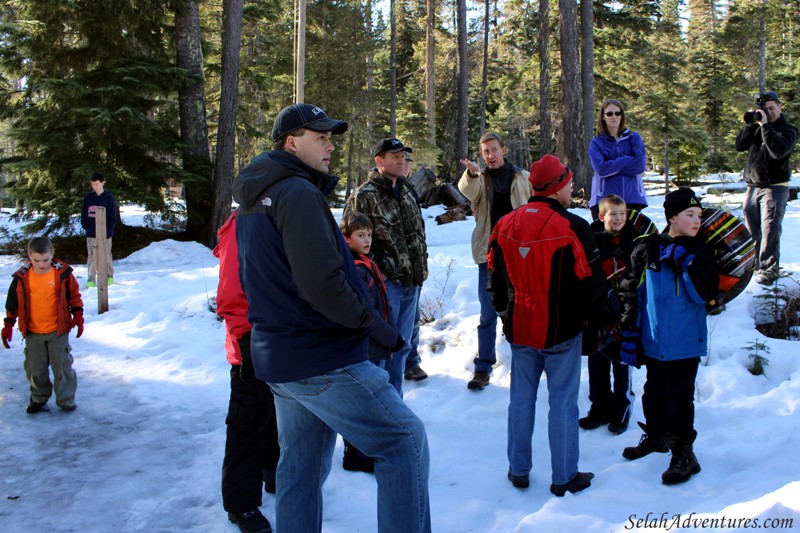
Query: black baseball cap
{"x": 306, "y": 116}
{"x": 390, "y": 145}
{"x": 770, "y": 96}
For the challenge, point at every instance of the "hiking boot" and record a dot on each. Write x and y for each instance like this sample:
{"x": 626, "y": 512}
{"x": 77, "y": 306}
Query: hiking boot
{"x": 594, "y": 419}
{"x": 34, "y": 407}
{"x": 110, "y": 280}
{"x": 68, "y": 407}
{"x": 90, "y": 284}
{"x": 619, "y": 422}
{"x": 682, "y": 465}
{"x": 251, "y": 521}
{"x": 478, "y": 381}
{"x": 581, "y": 481}
{"x": 520, "y": 482}
{"x": 415, "y": 374}
{"x": 647, "y": 445}
{"x": 355, "y": 461}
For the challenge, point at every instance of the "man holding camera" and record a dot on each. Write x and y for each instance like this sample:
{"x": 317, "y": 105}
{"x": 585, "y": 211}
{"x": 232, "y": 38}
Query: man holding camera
{"x": 769, "y": 139}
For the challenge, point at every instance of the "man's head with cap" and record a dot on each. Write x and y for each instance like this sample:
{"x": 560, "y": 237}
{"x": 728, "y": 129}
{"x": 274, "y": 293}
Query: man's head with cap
{"x": 289, "y": 134}
{"x": 390, "y": 158}
{"x": 550, "y": 177}
{"x": 772, "y": 105}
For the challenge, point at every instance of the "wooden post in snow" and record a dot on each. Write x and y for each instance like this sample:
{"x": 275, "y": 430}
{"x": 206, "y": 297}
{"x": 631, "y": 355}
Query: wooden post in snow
{"x": 100, "y": 255}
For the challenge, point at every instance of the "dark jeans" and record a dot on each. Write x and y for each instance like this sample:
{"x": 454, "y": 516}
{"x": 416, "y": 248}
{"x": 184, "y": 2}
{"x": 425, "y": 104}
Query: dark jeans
{"x": 251, "y": 445}
{"x": 764, "y": 208}
{"x": 600, "y": 394}
{"x": 668, "y": 399}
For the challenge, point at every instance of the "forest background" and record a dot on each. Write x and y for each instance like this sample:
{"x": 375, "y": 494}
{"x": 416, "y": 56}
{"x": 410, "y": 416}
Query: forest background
{"x": 154, "y": 93}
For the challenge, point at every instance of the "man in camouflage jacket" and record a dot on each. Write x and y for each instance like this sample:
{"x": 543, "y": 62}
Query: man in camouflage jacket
{"x": 398, "y": 245}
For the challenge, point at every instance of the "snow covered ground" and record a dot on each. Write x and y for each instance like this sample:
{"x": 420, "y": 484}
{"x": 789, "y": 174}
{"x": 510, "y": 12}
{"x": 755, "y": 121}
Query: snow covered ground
{"x": 143, "y": 451}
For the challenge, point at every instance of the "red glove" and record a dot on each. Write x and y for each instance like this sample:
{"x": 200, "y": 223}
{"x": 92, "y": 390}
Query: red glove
{"x": 77, "y": 320}
{"x": 7, "y": 331}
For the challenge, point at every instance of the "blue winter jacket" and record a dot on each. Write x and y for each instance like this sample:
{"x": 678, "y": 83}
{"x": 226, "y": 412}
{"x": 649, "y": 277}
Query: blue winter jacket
{"x": 309, "y": 308}
{"x": 618, "y": 167}
{"x": 668, "y": 305}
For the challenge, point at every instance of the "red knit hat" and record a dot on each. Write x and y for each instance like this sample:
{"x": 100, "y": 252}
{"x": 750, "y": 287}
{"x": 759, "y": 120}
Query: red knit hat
{"x": 549, "y": 175}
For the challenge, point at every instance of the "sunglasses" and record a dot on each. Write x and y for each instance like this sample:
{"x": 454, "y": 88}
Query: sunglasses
{"x": 613, "y": 113}
{"x": 553, "y": 182}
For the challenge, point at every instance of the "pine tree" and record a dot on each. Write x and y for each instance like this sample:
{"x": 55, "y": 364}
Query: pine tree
{"x": 96, "y": 93}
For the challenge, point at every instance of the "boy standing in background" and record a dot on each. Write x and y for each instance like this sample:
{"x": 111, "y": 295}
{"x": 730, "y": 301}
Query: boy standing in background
{"x": 46, "y": 299}
{"x": 98, "y": 198}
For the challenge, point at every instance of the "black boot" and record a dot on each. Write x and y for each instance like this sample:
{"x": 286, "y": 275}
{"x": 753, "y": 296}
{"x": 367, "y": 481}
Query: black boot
{"x": 619, "y": 421}
{"x": 595, "y": 418}
{"x": 355, "y": 461}
{"x": 682, "y": 465}
{"x": 647, "y": 445}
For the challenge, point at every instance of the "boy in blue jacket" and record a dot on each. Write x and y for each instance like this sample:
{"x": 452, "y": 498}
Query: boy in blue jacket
{"x": 672, "y": 280}
{"x": 98, "y": 198}
{"x": 384, "y": 339}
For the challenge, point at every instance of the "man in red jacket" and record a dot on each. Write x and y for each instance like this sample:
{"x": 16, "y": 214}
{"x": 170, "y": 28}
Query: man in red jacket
{"x": 251, "y": 446}
{"x": 545, "y": 281}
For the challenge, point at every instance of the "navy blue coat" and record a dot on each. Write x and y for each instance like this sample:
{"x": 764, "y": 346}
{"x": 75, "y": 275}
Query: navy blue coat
{"x": 310, "y": 310}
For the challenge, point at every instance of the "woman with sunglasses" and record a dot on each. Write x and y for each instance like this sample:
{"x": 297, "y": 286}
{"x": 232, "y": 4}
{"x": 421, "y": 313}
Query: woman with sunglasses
{"x": 618, "y": 158}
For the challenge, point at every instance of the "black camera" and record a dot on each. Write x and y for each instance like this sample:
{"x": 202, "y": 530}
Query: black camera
{"x": 750, "y": 117}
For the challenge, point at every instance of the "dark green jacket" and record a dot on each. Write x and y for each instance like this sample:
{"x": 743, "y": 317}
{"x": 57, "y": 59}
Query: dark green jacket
{"x": 398, "y": 234}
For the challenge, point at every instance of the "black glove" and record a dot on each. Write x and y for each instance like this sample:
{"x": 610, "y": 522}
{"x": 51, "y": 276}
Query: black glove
{"x": 629, "y": 348}
{"x": 399, "y": 343}
{"x": 246, "y": 370}
{"x": 678, "y": 256}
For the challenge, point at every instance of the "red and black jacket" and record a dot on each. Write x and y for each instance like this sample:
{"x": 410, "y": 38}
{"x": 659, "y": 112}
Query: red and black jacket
{"x": 545, "y": 279}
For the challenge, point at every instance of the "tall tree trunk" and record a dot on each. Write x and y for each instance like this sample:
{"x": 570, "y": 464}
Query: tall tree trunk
{"x": 463, "y": 85}
{"x": 545, "y": 93}
{"x": 393, "y": 70}
{"x": 194, "y": 129}
{"x": 571, "y": 130}
{"x": 226, "y": 128}
{"x": 370, "y": 68}
{"x": 587, "y": 79}
{"x": 430, "y": 70}
{"x": 485, "y": 78}
{"x": 762, "y": 49}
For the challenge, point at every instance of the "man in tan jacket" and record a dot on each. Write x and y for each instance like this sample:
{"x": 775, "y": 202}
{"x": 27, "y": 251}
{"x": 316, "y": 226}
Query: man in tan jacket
{"x": 494, "y": 192}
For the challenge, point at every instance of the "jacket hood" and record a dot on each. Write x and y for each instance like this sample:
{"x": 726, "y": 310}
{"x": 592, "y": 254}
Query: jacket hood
{"x": 271, "y": 167}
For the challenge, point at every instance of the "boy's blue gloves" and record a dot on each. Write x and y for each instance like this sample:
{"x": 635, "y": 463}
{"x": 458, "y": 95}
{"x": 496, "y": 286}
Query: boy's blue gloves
{"x": 629, "y": 348}
{"x": 678, "y": 256}
{"x": 8, "y": 329}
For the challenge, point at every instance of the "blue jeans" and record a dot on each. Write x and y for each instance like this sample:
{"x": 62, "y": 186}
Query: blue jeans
{"x": 405, "y": 305}
{"x": 358, "y": 403}
{"x": 414, "y": 360}
{"x": 562, "y": 366}
{"x": 487, "y": 327}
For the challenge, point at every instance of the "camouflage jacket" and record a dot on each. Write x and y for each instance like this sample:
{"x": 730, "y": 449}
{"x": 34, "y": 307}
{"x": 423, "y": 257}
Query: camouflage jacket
{"x": 398, "y": 235}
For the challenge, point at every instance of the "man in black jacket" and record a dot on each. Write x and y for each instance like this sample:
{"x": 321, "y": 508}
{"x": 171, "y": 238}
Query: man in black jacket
{"x": 769, "y": 140}
{"x": 311, "y": 320}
